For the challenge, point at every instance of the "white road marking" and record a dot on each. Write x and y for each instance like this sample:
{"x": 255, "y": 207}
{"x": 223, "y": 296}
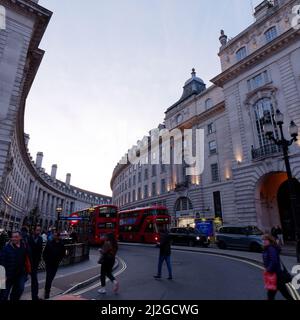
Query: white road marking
{"x": 124, "y": 267}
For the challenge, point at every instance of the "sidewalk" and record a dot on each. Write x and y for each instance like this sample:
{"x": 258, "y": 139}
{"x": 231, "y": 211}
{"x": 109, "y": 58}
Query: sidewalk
{"x": 67, "y": 277}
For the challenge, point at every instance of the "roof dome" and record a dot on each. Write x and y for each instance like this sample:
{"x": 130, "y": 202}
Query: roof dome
{"x": 192, "y": 86}
{"x": 194, "y": 78}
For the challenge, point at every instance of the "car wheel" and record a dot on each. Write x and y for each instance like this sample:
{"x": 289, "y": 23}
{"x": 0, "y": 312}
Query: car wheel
{"x": 191, "y": 243}
{"x": 222, "y": 245}
{"x": 255, "y": 247}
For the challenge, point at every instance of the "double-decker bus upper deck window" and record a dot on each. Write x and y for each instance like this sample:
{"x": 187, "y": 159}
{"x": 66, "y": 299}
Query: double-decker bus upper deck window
{"x": 158, "y": 212}
{"x": 107, "y": 212}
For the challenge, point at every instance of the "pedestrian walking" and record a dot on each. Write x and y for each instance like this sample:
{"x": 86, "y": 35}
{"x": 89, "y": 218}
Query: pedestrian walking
{"x": 3, "y": 239}
{"x": 50, "y": 234}
{"x": 107, "y": 261}
{"x": 279, "y": 234}
{"x": 274, "y": 232}
{"x": 44, "y": 236}
{"x": 74, "y": 236}
{"x": 164, "y": 254}
{"x": 53, "y": 254}
{"x": 274, "y": 274}
{"x": 36, "y": 248}
{"x": 14, "y": 257}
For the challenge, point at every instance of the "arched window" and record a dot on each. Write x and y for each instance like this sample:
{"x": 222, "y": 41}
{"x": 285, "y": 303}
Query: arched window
{"x": 208, "y": 104}
{"x": 271, "y": 34}
{"x": 183, "y": 204}
{"x": 264, "y": 108}
{"x": 179, "y": 118}
{"x": 241, "y": 54}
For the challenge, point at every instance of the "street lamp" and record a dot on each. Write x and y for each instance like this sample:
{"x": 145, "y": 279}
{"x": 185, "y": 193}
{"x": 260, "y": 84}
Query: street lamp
{"x": 58, "y": 211}
{"x": 285, "y": 144}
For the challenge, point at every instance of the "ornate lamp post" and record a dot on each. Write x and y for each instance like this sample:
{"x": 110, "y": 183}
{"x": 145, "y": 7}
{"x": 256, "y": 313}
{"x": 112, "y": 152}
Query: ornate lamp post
{"x": 58, "y": 211}
{"x": 284, "y": 144}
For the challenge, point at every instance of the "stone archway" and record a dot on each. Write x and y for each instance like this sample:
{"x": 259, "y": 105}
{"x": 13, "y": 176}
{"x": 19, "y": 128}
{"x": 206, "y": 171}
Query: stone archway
{"x": 184, "y": 212}
{"x": 286, "y": 216}
{"x": 267, "y": 209}
{"x": 273, "y": 204}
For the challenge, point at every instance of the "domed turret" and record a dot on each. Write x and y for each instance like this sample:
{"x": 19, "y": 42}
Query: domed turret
{"x": 192, "y": 86}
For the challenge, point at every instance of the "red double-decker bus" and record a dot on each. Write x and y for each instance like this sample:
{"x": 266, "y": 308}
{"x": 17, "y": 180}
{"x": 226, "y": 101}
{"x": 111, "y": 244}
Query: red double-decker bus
{"x": 143, "y": 224}
{"x": 96, "y": 223}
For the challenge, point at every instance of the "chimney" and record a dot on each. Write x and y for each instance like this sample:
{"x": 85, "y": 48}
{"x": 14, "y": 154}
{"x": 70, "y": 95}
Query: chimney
{"x": 39, "y": 159}
{"x": 54, "y": 171}
{"x": 68, "y": 179}
{"x": 26, "y": 139}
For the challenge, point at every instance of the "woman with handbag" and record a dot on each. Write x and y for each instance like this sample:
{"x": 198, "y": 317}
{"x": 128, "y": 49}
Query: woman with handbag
{"x": 107, "y": 261}
{"x": 275, "y": 275}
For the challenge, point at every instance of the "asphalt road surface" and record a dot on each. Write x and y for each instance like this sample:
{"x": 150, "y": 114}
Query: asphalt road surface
{"x": 196, "y": 277}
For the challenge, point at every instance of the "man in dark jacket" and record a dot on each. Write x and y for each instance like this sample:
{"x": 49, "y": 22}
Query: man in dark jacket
{"x": 164, "y": 254}
{"x": 36, "y": 247}
{"x": 53, "y": 255}
{"x": 13, "y": 258}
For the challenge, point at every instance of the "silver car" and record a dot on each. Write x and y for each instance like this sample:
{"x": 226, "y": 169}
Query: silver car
{"x": 237, "y": 237}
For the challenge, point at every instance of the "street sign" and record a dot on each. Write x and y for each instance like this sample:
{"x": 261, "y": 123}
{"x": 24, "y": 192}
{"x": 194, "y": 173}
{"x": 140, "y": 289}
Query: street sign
{"x": 74, "y": 218}
{"x": 206, "y": 227}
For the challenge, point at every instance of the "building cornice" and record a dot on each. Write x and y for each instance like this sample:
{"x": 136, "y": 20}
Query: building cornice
{"x": 256, "y": 57}
{"x": 257, "y": 24}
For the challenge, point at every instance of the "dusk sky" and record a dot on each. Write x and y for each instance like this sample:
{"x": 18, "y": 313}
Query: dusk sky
{"x": 111, "y": 69}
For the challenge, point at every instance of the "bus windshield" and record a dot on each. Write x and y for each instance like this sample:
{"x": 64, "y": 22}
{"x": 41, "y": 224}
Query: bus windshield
{"x": 158, "y": 212}
{"x": 107, "y": 212}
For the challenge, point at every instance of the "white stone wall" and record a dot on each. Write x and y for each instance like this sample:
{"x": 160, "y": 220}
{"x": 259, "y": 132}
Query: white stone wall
{"x": 241, "y": 177}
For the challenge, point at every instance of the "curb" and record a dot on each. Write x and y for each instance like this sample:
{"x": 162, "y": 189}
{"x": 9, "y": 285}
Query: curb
{"x": 87, "y": 282}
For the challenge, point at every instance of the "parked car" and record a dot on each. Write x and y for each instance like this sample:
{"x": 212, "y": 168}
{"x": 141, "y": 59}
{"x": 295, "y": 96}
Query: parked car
{"x": 188, "y": 236}
{"x": 241, "y": 237}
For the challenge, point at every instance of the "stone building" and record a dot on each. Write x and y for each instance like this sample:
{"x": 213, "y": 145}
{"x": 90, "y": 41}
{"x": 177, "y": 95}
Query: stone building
{"x": 244, "y": 179}
{"x": 25, "y": 188}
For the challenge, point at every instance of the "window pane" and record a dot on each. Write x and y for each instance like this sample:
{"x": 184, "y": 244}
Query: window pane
{"x": 271, "y": 34}
{"x": 241, "y": 54}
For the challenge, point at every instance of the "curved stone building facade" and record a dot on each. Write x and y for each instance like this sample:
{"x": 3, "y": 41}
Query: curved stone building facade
{"x": 26, "y": 190}
{"x": 244, "y": 179}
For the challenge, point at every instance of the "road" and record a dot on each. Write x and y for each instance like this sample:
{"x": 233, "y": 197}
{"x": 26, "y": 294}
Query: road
{"x": 197, "y": 276}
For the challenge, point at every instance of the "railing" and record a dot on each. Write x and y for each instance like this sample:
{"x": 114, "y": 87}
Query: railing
{"x": 265, "y": 151}
{"x": 75, "y": 253}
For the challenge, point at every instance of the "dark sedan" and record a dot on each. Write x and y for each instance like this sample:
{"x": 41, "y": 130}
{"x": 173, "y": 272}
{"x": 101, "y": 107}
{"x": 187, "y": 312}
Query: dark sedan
{"x": 188, "y": 236}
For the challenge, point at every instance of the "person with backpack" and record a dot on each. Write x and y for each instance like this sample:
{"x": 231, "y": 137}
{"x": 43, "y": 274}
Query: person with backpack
{"x": 107, "y": 261}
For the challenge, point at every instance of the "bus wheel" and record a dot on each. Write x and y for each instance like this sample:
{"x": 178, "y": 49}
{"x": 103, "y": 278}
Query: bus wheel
{"x": 142, "y": 239}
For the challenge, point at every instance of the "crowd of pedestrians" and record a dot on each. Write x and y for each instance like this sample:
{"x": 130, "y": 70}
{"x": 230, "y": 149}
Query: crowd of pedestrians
{"x": 21, "y": 253}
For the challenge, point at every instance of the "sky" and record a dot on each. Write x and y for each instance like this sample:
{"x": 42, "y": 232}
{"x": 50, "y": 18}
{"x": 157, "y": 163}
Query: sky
{"x": 110, "y": 71}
